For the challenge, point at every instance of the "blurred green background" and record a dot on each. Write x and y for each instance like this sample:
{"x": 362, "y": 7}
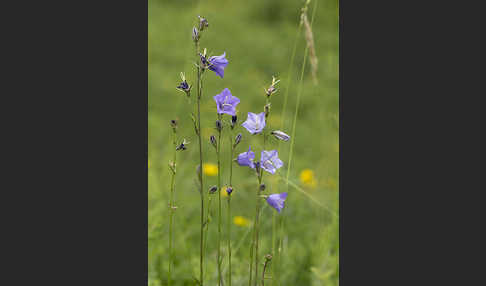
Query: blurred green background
{"x": 257, "y": 37}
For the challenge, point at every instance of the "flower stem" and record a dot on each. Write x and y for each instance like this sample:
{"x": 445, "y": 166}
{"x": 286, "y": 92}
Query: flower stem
{"x": 171, "y": 205}
{"x": 219, "y": 201}
{"x": 199, "y": 93}
{"x": 229, "y": 209}
{"x": 274, "y": 238}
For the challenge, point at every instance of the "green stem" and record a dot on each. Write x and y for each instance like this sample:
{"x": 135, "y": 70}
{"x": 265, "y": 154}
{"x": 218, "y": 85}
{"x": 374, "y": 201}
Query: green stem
{"x": 199, "y": 94}
{"x": 207, "y": 225}
{"x": 219, "y": 200}
{"x": 275, "y": 264}
{"x": 274, "y": 237}
{"x": 171, "y": 206}
{"x": 229, "y": 208}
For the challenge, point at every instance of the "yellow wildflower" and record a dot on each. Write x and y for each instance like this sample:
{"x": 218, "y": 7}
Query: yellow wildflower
{"x": 241, "y": 221}
{"x": 210, "y": 169}
{"x": 307, "y": 178}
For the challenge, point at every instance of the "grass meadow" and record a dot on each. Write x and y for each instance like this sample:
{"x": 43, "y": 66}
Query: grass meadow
{"x": 258, "y": 38}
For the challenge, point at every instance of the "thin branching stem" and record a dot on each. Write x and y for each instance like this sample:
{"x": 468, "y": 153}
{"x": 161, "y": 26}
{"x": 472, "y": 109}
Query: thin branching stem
{"x": 220, "y": 131}
{"x": 199, "y": 94}
{"x": 228, "y": 219}
{"x": 171, "y": 203}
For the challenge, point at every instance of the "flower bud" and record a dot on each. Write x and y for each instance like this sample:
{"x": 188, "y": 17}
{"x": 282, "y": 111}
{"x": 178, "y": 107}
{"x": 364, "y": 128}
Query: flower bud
{"x": 213, "y": 189}
{"x": 234, "y": 119}
{"x": 257, "y": 168}
{"x": 213, "y": 141}
{"x": 280, "y": 135}
{"x": 203, "y": 23}
{"x": 195, "y": 34}
{"x": 229, "y": 190}
{"x": 267, "y": 109}
{"x": 219, "y": 125}
{"x": 237, "y": 140}
{"x": 268, "y": 257}
{"x": 173, "y": 123}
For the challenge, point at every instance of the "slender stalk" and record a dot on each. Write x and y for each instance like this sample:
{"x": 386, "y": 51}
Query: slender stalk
{"x": 199, "y": 94}
{"x": 274, "y": 237}
{"x": 208, "y": 207}
{"x": 228, "y": 224}
{"x": 219, "y": 199}
{"x": 299, "y": 93}
{"x": 284, "y": 108}
{"x": 267, "y": 259}
{"x": 275, "y": 264}
{"x": 229, "y": 208}
{"x": 171, "y": 204}
{"x": 257, "y": 218}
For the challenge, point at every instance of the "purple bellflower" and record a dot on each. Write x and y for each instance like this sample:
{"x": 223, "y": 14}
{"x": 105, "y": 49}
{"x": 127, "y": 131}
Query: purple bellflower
{"x": 218, "y": 63}
{"x": 255, "y": 122}
{"x": 270, "y": 161}
{"x": 246, "y": 158}
{"x": 277, "y": 201}
{"x": 226, "y": 103}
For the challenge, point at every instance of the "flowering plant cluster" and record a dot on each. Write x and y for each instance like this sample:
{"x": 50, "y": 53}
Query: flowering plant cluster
{"x": 269, "y": 161}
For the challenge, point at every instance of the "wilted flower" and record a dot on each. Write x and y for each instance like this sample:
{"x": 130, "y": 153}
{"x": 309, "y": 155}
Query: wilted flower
{"x": 217, "y": 64}
{"x": 262, "y": 187}
{"x": 270, "y": 161}
{"x": 246, "y": 158}
{"x": 203, "y": 23}
{"x": 254, "y": 122}
{"x": 241, "y": 221}
{"x": 184, "y": 86}
{"x": 219, "y": 125}
{"x": 271, "y": 90}
{"x": 280, "y": 135}
{"x": 210, "y": 169}
{"x": 182, "y": 146}
{"x": 226, "y": 102}
{"x": 277, "y": 201}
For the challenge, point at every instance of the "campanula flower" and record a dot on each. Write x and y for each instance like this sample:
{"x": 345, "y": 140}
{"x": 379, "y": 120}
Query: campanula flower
{"x": 217, "y": 64}
{"x": 277, "y": 201}
{"x": 226, "y": 102}
{"x": 270, "y": 161}
{"x": 255, "y": 122}
{"x": 246, "y": 158}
